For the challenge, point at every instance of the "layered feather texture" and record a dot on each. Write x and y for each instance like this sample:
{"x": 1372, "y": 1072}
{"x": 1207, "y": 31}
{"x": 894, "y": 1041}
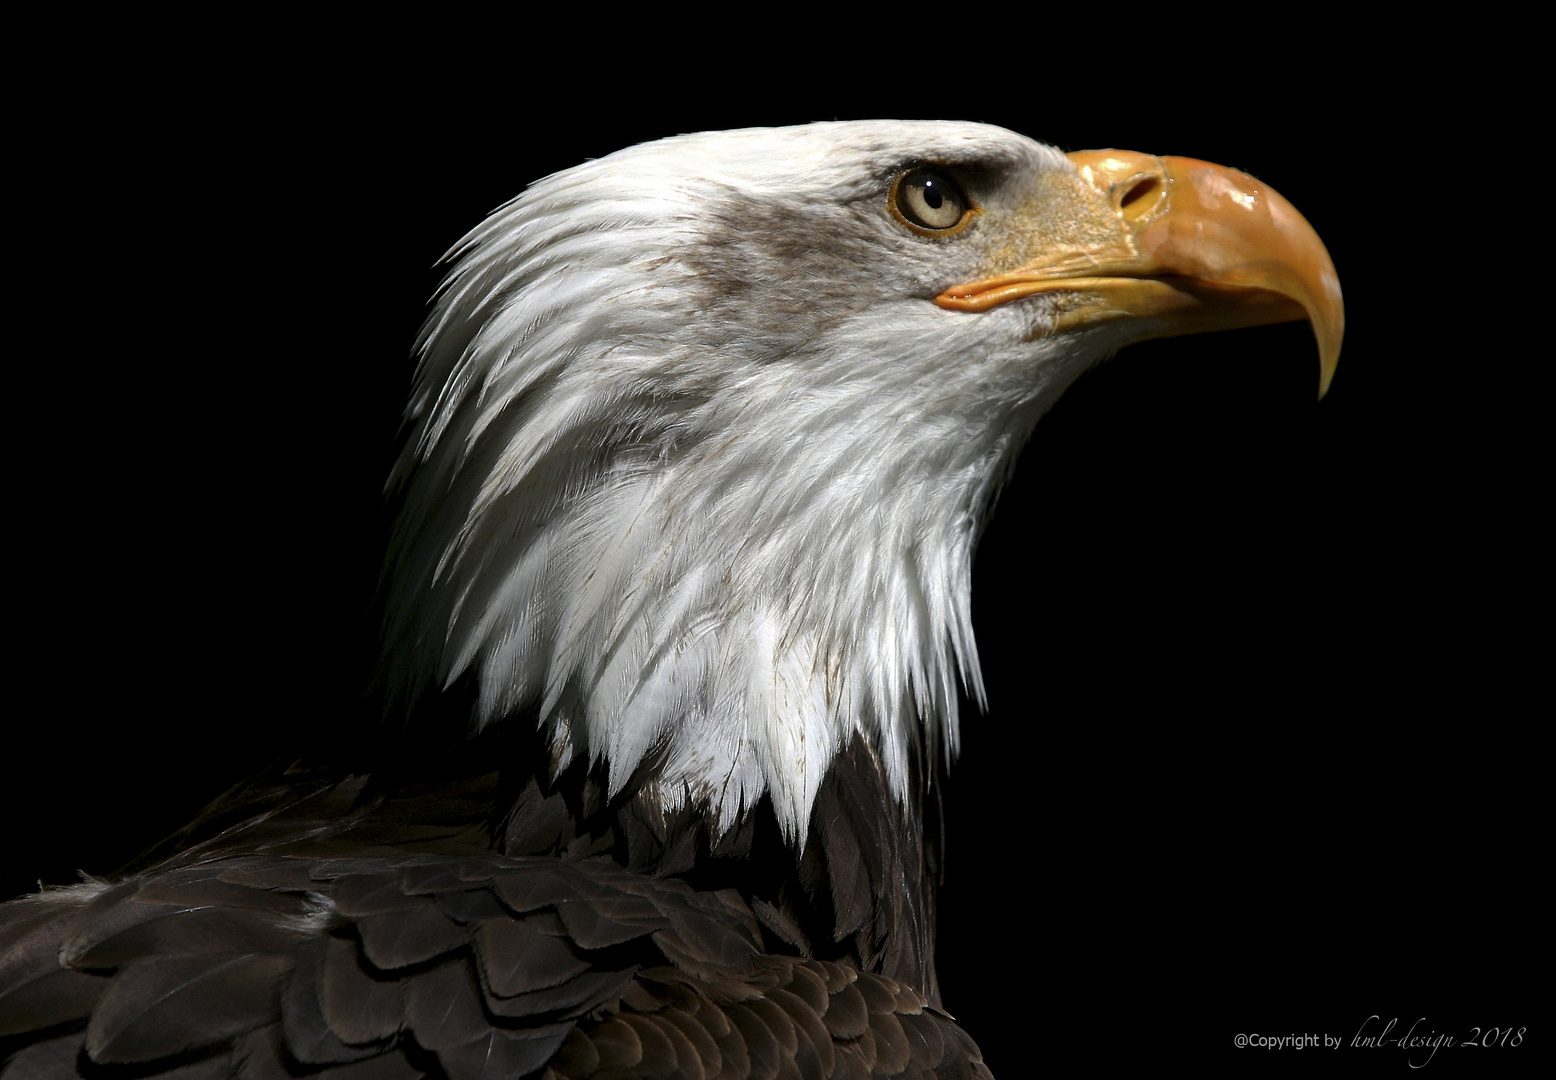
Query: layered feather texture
{"x": 473, "y": 968}
{"x": 696, "y": 468}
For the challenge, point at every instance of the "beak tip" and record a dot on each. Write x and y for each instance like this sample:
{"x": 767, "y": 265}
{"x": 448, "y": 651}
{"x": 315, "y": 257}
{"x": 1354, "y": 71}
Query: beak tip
{"x": 1328, "y": 361}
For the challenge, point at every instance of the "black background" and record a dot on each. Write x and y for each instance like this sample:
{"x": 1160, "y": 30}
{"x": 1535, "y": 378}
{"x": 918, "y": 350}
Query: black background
{"x": 1259, "y": 754}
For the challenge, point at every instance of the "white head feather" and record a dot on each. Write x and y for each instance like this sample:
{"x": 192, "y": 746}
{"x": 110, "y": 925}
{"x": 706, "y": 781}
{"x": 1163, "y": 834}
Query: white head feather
{"x": 696, "y": 467}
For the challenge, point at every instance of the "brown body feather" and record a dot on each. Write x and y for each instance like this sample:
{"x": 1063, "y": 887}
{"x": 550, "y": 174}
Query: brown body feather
{"x": 397, "y": 925}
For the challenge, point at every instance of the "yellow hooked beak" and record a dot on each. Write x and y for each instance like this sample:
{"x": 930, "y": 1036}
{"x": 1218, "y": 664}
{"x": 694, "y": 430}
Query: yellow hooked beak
{"x": 1195, "y": 247}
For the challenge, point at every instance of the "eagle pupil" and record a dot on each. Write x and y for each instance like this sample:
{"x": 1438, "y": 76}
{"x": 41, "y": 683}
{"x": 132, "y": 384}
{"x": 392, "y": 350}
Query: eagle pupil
{"x": 931, "y": 196}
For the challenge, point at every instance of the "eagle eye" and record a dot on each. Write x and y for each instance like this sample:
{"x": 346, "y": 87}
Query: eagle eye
{"x": 929, "y": 200}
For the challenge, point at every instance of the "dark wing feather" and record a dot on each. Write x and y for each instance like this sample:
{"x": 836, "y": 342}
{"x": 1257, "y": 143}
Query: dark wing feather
{"x": 361, "y": 1007}
{"x": 410, "y": 965}
{"x": 522, "y": 956}
{"x": 164, "y": 1006}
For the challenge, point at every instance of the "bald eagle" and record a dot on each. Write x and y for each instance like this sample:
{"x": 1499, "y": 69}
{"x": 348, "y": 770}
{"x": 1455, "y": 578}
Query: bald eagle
{"x": 677, "y": 621}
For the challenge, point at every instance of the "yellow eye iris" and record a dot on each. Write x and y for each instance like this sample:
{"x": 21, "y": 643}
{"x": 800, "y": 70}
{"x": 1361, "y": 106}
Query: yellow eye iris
{"x": 929, "y": 199}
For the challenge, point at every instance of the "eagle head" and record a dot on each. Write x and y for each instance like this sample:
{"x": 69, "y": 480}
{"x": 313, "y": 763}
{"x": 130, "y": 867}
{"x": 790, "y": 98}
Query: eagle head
{"x": 705, "y": 432}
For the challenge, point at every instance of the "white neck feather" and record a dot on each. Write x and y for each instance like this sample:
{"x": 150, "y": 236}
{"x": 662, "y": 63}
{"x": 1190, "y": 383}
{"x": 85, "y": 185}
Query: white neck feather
{"x": 731, "y": 553}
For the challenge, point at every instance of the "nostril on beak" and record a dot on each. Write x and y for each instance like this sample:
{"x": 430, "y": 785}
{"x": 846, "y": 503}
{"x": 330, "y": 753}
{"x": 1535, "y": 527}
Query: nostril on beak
{"x": 1138, "y": 195}
{"x": 1139, "y": 189}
